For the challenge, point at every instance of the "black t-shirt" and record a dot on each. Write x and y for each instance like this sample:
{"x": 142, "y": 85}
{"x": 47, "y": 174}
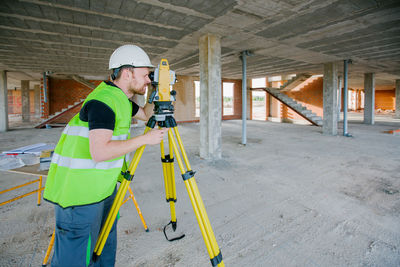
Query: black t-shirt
{"x": 99, "y": 115}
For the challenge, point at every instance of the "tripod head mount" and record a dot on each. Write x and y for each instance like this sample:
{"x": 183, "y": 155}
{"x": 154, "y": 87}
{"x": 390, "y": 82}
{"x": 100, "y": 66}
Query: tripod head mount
{"x": 162, "y": 80}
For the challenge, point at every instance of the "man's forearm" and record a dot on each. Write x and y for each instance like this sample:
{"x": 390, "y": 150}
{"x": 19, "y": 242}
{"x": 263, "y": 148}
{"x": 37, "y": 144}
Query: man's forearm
{"x": 103, "y": 148}
{"x": 102, "y": 151}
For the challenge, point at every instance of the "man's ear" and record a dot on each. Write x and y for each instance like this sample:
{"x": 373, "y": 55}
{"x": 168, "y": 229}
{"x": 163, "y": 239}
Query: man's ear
{"x": 125, "y": 73}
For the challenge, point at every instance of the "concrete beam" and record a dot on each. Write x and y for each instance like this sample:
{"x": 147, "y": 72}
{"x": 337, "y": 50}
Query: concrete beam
{"x": 330, "y": 86}
{"x": 211, "y": 96}
{"x": 397, "y": 107}
{"x": 369, "y": 98}
{"x": 26, "y": 112}
{"x": 3, "y": 102}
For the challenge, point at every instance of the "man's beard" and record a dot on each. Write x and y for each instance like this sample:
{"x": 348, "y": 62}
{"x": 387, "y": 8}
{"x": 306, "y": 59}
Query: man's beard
{"x": 138, "y": 92}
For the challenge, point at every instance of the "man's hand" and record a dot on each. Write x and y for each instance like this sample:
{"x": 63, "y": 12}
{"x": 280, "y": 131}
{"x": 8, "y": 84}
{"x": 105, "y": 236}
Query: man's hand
{"x": 155, "y": 136}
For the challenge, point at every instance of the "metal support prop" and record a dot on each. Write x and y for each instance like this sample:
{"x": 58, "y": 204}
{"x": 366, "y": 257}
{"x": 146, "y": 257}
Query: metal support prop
{"x": 345, "y": 95}
{"x": 44, "y": 87}
{"x": 339, "y": 97}
{"x": 244, "y": 97}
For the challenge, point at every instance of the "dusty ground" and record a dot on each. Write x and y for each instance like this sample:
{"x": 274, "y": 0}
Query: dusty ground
{"x": 291, "y": 197}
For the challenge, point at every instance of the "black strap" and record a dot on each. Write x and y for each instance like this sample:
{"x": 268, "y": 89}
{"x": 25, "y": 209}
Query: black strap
{"x": 126, "y": 174}
{"x": 172, "y": 239}
{"x": 216, "y": 260}
{"x": 187, "y": 175}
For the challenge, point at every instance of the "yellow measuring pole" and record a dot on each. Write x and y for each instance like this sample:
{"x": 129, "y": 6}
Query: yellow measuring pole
{"x": 132, "y": 196}
{"x": 49, "y": 248}
{"x": 40, "y": 191}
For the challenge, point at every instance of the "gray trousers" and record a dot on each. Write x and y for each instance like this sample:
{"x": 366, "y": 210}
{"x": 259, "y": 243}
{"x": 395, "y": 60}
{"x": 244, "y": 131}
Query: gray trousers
{"x": 77, "y": 229}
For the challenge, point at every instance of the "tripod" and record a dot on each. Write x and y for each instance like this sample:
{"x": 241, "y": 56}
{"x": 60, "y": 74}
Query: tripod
{"x": 162, "y": 79}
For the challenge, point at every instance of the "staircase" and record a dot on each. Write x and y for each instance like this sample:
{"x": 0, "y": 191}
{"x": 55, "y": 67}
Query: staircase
{"x": 294, "y": 82}
{"x": 297, "y": 107}
{"x": 56, "y": 115}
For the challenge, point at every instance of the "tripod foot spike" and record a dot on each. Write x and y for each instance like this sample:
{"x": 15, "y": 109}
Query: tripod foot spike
{"x": 173, "y": 228}
{"x": 95, "y": 257}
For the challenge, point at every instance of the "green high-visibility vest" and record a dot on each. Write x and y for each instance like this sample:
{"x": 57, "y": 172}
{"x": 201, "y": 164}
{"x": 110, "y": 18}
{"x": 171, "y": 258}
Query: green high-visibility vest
{"x": 74, "y": 178}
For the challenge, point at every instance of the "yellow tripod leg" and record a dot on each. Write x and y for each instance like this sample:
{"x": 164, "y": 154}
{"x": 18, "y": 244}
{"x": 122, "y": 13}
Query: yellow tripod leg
{"x": 165, "y": 171}
{"x": 172, "y": 187}
{"x": 197, "y": 203}
{"x": 105, "y": 231}
{"x": 169, "y": 181}
{"x": 49, "y": 248}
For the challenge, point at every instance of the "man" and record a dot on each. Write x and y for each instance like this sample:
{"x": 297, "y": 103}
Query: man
{"x": 90, "y": 156}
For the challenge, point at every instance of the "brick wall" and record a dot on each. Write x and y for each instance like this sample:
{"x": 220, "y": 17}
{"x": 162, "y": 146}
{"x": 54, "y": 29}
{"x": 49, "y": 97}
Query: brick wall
{"x": 60, "y": 94}
{"x": 15, "y": 101}
{"x": 63, "y": 93}
{"x": 385, "y": 99}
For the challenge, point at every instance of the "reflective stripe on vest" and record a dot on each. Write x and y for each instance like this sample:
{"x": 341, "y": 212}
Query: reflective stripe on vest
{"x": 84, "y": 132}
{"x": 85, "y": 163}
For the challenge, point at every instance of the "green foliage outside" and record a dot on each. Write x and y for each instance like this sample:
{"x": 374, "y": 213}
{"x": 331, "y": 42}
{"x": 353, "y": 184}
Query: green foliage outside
{"x": 258, "y": 98}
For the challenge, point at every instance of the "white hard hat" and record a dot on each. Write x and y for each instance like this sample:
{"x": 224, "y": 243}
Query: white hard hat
{"x": 131, "y": 55}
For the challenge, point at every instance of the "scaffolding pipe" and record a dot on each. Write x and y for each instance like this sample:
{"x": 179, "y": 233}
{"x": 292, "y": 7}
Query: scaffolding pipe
{"x": 44, "y": 87}
{"x": 339, "y": 98}
{"x": 244, "y": 97}
{"x": 345, "y": 95}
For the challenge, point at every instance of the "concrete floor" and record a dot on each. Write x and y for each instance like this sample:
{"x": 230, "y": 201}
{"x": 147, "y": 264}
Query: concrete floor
{"x": 290, "y": 197}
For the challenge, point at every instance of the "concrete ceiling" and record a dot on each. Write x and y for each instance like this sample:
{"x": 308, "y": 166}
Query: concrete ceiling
{"x": 286, "y": 36}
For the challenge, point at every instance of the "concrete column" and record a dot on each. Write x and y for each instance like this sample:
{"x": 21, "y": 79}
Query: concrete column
{"x": 397, "y": 107}
{"x": 211, "y": 97}
{"x": 369, "y": 98}
{"x": 26, "y": 112}
{"x": 330, "y": 86}
{"x": 3, "y": 102}
{"x": 37, "y": 100}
